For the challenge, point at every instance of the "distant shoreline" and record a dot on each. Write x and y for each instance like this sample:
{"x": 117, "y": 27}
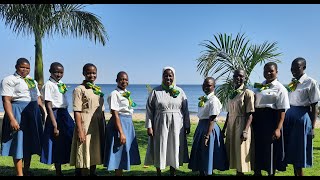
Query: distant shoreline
{"x": 141, "y": 117}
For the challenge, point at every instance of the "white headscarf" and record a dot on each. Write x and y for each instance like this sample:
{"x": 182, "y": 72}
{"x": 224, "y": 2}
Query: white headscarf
{"x": 173, "y": 71}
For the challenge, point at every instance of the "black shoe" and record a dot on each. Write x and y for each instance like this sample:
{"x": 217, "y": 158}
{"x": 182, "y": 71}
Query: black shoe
{"x": 28, "y": 173}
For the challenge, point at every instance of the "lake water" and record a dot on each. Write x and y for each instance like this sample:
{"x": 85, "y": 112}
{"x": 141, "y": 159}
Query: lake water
{"x": 139, "y": 94}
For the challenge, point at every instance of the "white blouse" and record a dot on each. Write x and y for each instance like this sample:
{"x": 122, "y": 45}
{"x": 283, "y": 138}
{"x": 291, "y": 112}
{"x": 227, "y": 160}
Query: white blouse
{"x": 211, "y": 107}
{"x": 306, "y": 93}
{"x": 50, "y": 92}
{"x": 119, "y": 103}
{"x": 15, "y": 87}
{"x": 276, "y": 97}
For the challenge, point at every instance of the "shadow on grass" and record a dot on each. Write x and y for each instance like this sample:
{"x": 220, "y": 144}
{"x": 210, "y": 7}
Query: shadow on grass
{"x": 10, "y": 171}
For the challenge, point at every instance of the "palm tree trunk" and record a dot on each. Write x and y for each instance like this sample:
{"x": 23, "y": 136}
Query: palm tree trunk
{"x": 38, "y": 70}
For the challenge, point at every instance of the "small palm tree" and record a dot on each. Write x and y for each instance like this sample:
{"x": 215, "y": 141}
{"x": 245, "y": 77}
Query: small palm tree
{"x": 224, "y": 56}
{"x": 48, "y": 19}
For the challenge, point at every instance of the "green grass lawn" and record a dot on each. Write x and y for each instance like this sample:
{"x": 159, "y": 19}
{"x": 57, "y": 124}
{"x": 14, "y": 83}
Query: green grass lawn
{"x": 39, "y": 169}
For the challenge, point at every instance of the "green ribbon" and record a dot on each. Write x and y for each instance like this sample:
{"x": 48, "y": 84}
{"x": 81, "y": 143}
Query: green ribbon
{"x": 96, "y": 89}
{"x": 292, "y": 85}
{"x": 261, "y": 86}
{"x": 202, "y": 99}
{"x": 62, "y": 88}
{"x": 234, "y": 93}
{"x": 173, "y": 92}
{"x": 30, "y": 82}
{"x": 127, "y": 95}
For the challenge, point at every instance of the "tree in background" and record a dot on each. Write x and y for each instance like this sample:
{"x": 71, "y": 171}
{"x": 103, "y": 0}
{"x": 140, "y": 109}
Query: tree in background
{"x": 222, "y": 57}
{"x": 49, "y": 19}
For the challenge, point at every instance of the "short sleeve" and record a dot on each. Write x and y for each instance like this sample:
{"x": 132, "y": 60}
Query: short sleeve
{"x": 282, "y": 101}
{"x": 113, "y": 101}
{"x": 77, "y": 99}
{"x": 47, "y": 91}
{"x": 7, "y": 87}
{"x": 214, "y": 107}
{"x": 314, "y": 93}
{"x": 249, "y": 101}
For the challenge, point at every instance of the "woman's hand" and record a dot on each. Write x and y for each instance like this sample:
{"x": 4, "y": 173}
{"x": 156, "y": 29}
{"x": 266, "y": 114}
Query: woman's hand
{"x": 56, "y": 132}
{"x": 14, "y": 125}
{"x": 276, "y": 134}
{"x": 206, "y": 140}
{"x": 123, "y": 139}
{"x": 244, "y": 136}
{"x": 150, "y": 132}
{"x": 82, "y": 136}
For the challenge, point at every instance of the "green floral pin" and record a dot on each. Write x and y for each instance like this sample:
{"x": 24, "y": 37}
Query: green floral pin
{"x": 261, "y": 86}
{"x": 203, "y": 99}
{"x": 127, "y": 95}
{"x": 173, "y": 92}
{"x": 62, "y": 88}
{"x": 96, "y": 89}
{"x": 30, "y": 82}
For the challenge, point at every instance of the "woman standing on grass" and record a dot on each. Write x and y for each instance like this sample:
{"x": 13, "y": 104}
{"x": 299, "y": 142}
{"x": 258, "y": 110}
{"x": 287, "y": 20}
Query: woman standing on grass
{"x": 59, "y": 125}
{"x": 208, "y": 148}
{"x": 167, "y": 123}
{"x": 237, "y": 126}
{"x": 301, "y": 118}
{"x": 271, "y": 102}
{"x": 121, "y": 143}
{"x": 22, "y": 122}
{"x": 88, "y": 137}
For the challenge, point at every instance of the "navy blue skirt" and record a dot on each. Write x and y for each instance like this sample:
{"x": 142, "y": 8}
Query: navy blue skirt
{"x": 269, "y": 153}
{"x": 298, "y": 137}
{"x": 207, "y": 158}
{"x": 119, "y": 156}
{"x": 26, "y": 141}
{"x": 57, "y": 150}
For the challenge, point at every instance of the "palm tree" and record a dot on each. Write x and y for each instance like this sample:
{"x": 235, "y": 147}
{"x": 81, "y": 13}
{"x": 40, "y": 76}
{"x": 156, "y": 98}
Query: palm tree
{"x": 48, "y": 19}
{"x": 226, "y": 55}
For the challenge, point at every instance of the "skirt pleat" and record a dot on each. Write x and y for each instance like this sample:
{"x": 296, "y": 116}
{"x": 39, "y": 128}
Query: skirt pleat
{"x": 57, "y": 150}
{"x": 207, "y": 158}
{"x": 119, "y": 156}
{"x": 26, "y": 141}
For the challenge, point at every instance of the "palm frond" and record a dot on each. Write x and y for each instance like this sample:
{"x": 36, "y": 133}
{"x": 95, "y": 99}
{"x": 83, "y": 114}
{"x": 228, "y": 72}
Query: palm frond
{"x": 71, "y": 19}
{"x": 18, "y": 18}
{"x": 48, "y": 19}
{"x": 222, "y": 92}
{"x": 221, "y": 57}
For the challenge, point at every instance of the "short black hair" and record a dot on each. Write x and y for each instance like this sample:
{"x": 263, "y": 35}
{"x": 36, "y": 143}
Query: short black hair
{"x": 210, "y": 78}
{"x": 22, "y": 60}
{"x": 300, "y": 59}
{"x": 271, "y": 64}
{"x": 86, "y": 66}
{"x": 55, "y": 64}
{"x": 240, "y": 69}
{"x": 119, "y": 74}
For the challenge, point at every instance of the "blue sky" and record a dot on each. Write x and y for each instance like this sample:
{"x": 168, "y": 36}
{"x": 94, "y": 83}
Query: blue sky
{"x": 145, "y": 38}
